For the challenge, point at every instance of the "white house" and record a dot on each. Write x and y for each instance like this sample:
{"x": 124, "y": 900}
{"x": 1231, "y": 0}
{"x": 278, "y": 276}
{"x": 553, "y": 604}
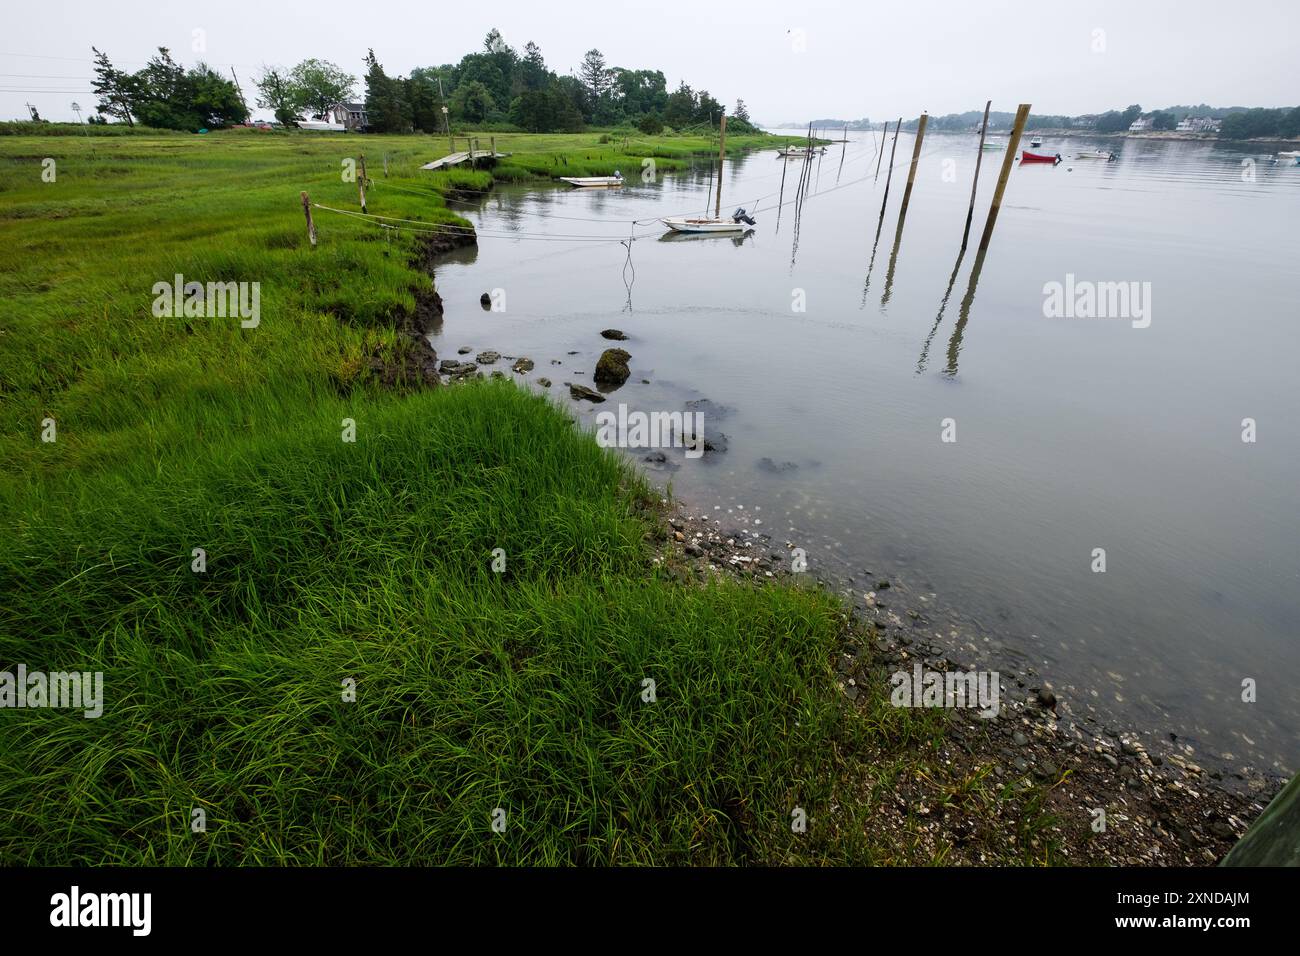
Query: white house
{"x": 1140, "y": 125}
{"x": 1199, "y": 124}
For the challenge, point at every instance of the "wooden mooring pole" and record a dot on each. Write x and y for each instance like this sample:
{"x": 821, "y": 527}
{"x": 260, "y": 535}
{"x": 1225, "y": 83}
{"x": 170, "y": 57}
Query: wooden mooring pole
{"x": 916, "y": 156}
{"x": 1022, "y": 116}
{"x": 970, "y": 213}
{"x": 722, "y": 154}
{"x": 890, "y": 176}
{"x": 311, "y": 226}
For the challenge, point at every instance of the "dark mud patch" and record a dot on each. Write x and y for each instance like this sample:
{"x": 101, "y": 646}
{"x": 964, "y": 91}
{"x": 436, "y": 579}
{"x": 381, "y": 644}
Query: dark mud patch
{"x": 413, "y": 362}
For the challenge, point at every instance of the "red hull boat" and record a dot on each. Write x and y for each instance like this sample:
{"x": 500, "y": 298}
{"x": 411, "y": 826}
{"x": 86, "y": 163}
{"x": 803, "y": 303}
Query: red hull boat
{"x": 1027, "y": 157}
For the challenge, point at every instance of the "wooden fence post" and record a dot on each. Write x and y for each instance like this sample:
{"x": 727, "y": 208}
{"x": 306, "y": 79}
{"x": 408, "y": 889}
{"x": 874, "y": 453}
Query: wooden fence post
{"x": 361, "y": 183}
{"x": 311, "y": 226}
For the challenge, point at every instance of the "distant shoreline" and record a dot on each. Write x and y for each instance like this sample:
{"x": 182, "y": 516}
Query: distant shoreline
{"x": 1057, "y": 131}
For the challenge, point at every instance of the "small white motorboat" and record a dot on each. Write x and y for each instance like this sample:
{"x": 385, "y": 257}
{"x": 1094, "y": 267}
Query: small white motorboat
{"x": 993, "y": 144}
{"x": 739, "y": 221}
{"x": 1289, "y": 158}
{"x": 322, "y": 126}
{"x": 1036, "y": 142}
{"x": 588, "y": 181}
{"x": 799, "y": 152}
{"x": 1097, "y": 154}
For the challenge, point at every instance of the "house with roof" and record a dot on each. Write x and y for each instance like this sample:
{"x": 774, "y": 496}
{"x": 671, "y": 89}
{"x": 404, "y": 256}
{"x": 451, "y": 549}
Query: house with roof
{"x": 1199, "y": 124}
{"x": 353, "y": 116}
{"x": 1141, "y": 125}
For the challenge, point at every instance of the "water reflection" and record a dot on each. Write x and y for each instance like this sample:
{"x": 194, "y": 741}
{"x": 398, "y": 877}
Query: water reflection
{"x": 963, "y": 315}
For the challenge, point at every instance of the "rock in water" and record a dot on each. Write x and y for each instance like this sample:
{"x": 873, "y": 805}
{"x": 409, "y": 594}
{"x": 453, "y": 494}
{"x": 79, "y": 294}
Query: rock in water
{"x": 580, "y": 392}
{"x": 485, "y": 300}
{"x": 611, "y": 367}
{"x": 614, "y": 334}
{"x": 523, "y": 365}
{"x": 487, "y": 357}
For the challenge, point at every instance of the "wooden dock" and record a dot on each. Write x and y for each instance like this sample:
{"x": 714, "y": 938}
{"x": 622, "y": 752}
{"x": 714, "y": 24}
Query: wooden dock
{"x": 455, "y": 159}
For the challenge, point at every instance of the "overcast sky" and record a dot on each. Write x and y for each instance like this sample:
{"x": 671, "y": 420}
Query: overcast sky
{"x": 857, "y": 58}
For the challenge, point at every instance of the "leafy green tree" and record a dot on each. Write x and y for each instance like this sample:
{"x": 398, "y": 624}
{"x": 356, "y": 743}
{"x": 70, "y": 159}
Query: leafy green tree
{"x": 651, "y": 124}
{"x": 426, "y": 108}
{"x": 1290, "y": 124}
{"x": 1250, "y": 124}
{"x": 386, "y": 107}
{"x": 215, "y": 99}
{"x": 114, "y": 88}
{"x": 1164, "y": 120}
{"x": 679, "y": 111}
{"x": 472, "y": 102}
{"x": 276, "y": 93}
{"x": 318, "y": 85}
{"x": 532, "y": 68}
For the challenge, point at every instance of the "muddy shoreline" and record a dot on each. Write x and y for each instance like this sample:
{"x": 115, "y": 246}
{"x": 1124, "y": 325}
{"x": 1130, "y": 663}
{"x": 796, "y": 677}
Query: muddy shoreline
{"x": 1160, "y": 807}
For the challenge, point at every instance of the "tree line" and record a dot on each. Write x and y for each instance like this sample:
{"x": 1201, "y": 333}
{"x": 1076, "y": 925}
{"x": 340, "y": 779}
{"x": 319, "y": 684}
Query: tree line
{"x": 1238, "y": 122}
{"x": 496, "y": 86}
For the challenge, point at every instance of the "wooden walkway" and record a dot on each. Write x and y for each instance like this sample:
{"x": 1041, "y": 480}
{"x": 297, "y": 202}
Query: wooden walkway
{"x": 455, "y": 159}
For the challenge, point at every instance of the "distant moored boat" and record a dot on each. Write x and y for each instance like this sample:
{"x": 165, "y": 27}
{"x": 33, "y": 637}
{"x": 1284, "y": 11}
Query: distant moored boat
{"x": 1027, "y": 157}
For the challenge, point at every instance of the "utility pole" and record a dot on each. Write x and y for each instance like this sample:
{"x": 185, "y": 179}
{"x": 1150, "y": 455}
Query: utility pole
{"x": 446, "y": 119}
{"x": 247, "y": 115}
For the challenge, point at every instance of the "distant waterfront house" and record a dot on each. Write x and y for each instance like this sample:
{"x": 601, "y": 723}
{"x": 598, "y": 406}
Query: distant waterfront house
{"x": 1087, "y": 121}
{"x": 1141, "y": 125}
{"x": 1199, "y": 124}
{"x": 352, "y": 115}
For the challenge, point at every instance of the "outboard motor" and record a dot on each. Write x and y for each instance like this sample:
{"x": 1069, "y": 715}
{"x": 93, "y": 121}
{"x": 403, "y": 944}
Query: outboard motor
{"x": 740, "y": 216}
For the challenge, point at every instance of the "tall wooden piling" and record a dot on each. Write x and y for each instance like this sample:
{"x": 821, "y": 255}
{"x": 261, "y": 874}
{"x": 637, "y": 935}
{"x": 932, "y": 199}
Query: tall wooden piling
{"x": 916, "y": 156}
{"x": 1022, "y": 116}
{"x": 890, "y": 176}
{"x": 722, "y": 154}
{"x": 311, "y": 226}
{"x": 970, "y": 213}
{"x": 361, "y": 182}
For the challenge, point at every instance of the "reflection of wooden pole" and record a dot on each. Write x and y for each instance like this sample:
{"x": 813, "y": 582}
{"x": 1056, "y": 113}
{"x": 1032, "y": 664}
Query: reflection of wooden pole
{"x": 1022, "y": 115}
{"x": 970, "y": 213}
{"x": 722, "y": 154}
{"x": 361, "y": 182}
{"x": 916, "y": 156}
{"x": 311, "y": 226}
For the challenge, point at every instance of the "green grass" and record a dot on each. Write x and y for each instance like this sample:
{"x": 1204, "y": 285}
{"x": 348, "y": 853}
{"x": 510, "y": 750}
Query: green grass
{"x": 369, "y": 560}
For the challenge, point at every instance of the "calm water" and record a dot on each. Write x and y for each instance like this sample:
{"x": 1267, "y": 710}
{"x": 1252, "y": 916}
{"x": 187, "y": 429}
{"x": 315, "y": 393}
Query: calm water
{"x": 1071, "y": 433}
